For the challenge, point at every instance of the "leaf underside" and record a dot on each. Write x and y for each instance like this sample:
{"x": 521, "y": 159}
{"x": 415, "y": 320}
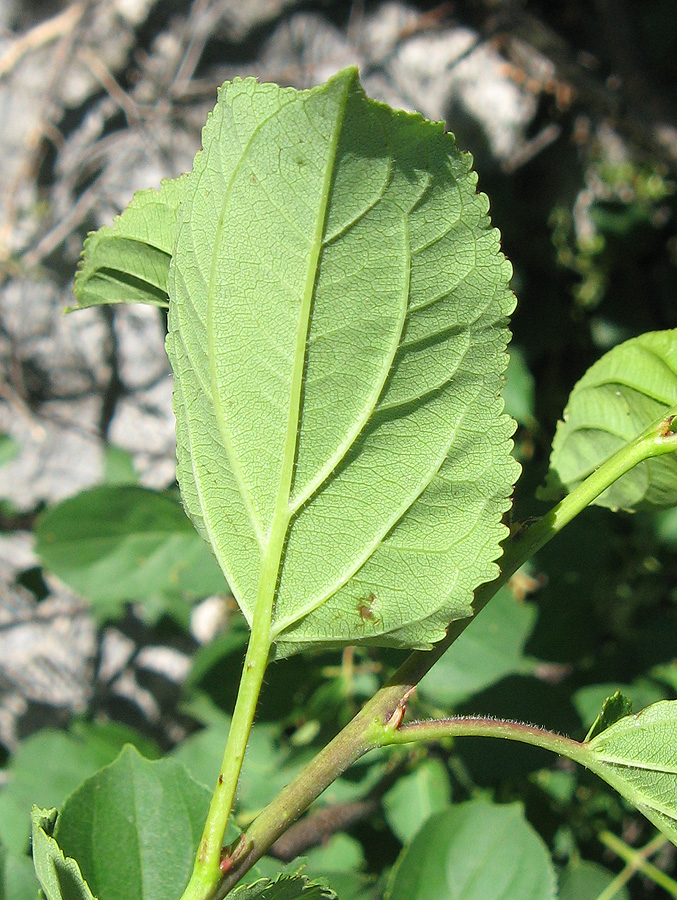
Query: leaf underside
{"x": 337, "y": 330}
{"x": 59, "y": 875}
{"x": 627, "y": 390}
{"x": 637, "y": 756}
{"x": 285, "y": 887}
{"x": 128, "y": 261}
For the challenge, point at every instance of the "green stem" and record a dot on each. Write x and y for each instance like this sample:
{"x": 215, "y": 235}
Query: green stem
{"x": 477, "y": 726}
{"x": 381, "y": 716}
{"x": 206, "y": 870}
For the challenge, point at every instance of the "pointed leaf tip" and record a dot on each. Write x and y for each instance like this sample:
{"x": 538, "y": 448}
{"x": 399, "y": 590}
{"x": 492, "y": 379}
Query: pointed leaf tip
{"x": 614, "y": 708}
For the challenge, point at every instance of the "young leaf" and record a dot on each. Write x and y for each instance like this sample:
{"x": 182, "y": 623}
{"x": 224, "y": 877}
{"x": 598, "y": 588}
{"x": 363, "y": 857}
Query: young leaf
{"x": 473, "y": 851}
{"x": 59, "y": 875}
{"x": 121, "y": 543}
{"x": 591, "y": 698}
{"x": 337, "y": 330}
{"x": 637, "y": 756}
{"x": 134, "y": 828}
{"x": 615, "y": 707}
{"x": 285, "y": 887}
{"x": 622, "y": 394}
{"x": 128, "y": 261}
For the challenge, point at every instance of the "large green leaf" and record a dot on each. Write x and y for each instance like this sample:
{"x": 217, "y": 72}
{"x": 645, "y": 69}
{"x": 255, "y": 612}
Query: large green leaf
{"x": 134, "y": 828}
{"x": 637, "y": 756}
{"x": 625, "y": 391}
{"x": 59, "y": 875}
{"x": 120, "y": 543}
{"x": 474, "y": 851}
{"x": 337, "y": 330}
{"x": 128, "y": 262}
{"x": 49, "y": 765}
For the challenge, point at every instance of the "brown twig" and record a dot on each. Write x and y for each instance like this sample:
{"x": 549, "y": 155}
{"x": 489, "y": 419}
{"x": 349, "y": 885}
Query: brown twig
{"x": 110, "y": 85}
{"x": 40, "y": 35}
{"x": 320, "y": 825}
{"x": 44, "y": 124}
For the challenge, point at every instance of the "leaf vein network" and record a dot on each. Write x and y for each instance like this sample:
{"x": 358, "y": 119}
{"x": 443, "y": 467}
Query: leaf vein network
{"x": 373, "y": 545}
{"x": 211, "y": 348}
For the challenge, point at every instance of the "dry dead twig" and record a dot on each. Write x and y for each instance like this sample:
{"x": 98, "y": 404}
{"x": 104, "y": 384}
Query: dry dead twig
{"x": 40, "y": 35}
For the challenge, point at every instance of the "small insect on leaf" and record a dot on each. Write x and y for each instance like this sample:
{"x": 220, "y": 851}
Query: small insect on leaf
{"x": 365, "y": 609}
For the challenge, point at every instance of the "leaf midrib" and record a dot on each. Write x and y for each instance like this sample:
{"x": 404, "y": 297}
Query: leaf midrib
{"x": 281, "y": 517}
{"x": 211, "y": 349}
{"x": 273, "y": 547}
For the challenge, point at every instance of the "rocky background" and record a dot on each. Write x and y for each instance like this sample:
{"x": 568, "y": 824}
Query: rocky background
{"x": 99, "y": 98}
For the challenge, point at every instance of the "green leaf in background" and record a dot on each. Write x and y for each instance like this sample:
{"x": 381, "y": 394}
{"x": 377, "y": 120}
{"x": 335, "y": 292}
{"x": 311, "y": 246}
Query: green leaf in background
{"x": 267, "y": 767}
{"x": 59, "y": 875}
{"x": 337, "y": 330}
{"x": 665, "y": 523}
{"x": 122, "y": 543}
{"x": 415, "y": 797}
{"x": 637, "y": 756}
{"x": 519, "y": 391}
{"x": 285, "y": 887}
{"x": 620, "y": 396}
{"x": 18, "y": 880}
{"x": 474, "y": 851}
{"x": 341, "y": 853}
{"x": 9, "y": 448}
{"x": 49, "y": 765}
{"x": 488, "y": 651}
{"x": 118, "y": 466}
{"x": 128, "y": 261}
{"x": 583, "y": 880}
{"x": 134, "y": 828}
